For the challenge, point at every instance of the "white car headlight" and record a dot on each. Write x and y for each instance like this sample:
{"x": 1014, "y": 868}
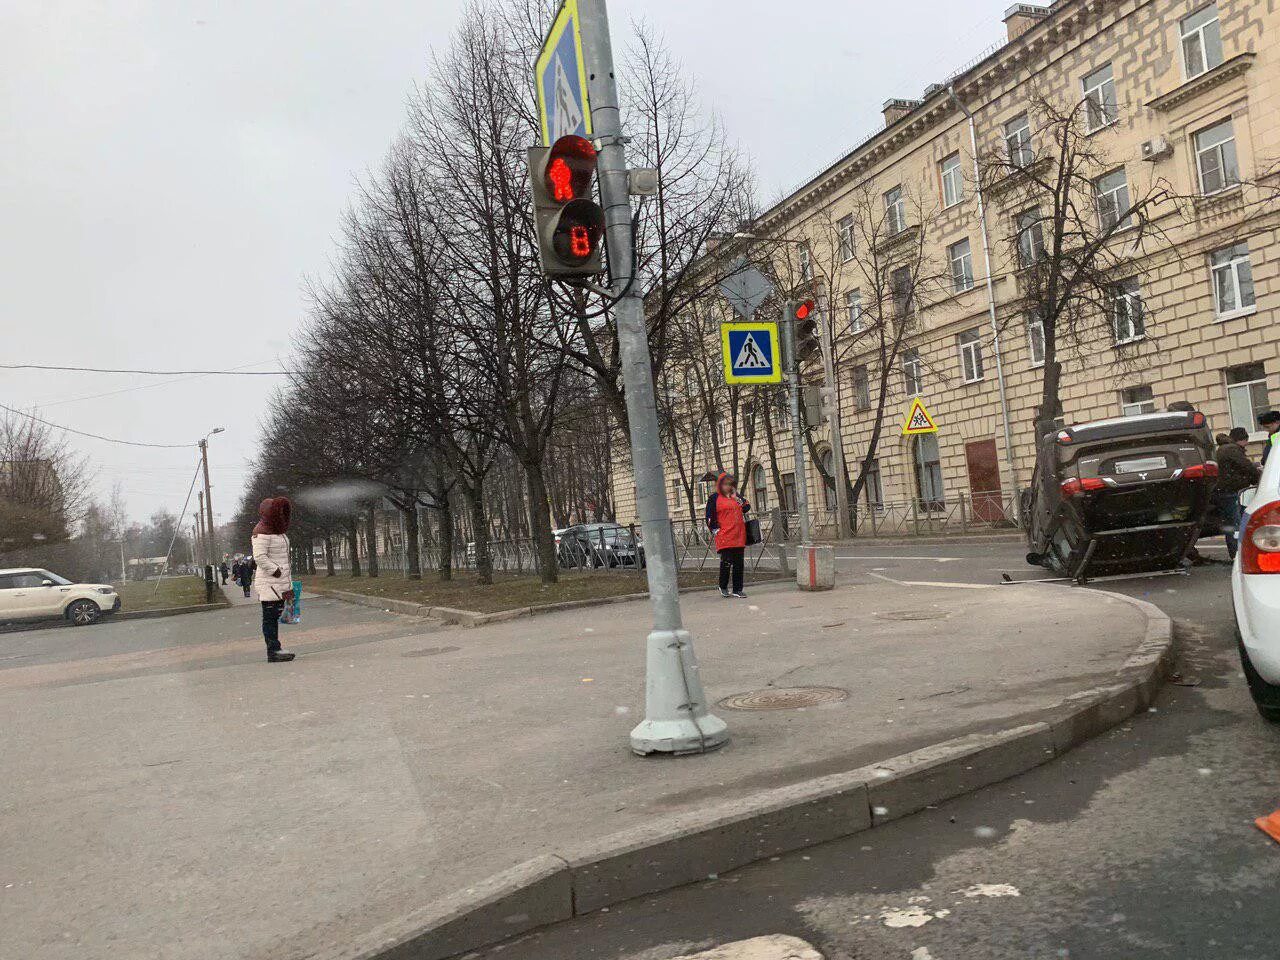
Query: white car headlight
{"x": 107, "y": 590}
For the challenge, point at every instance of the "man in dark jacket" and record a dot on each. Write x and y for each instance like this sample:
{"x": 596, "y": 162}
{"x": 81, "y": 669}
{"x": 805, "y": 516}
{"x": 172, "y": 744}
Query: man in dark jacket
{"x": 1236, "y": 472}
{"x": 1270, "y": 422}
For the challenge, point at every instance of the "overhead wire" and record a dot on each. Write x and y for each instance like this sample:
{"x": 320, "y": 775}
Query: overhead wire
{"x": 96, "y": 436}
{"x": 234, "y": 372}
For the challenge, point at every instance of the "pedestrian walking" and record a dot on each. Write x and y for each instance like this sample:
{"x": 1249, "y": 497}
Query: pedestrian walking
{"x": 1236, "y": 472}
{"x": 727, "y": 521}
{"x": 244, "y": 574}
{"x": 225, "y": 571}
{"x": 273, "y": 579}
{"x": 1270, "y": 422}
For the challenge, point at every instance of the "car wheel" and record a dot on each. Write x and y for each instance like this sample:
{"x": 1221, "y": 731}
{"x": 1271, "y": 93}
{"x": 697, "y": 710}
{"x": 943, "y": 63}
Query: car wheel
{"x": 84, "y": 612}
{"x": 1266, "y": 696}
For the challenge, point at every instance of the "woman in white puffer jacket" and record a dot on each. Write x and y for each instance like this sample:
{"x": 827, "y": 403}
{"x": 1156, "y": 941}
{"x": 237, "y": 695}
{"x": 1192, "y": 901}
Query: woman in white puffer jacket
{"x": 273, "y": 579}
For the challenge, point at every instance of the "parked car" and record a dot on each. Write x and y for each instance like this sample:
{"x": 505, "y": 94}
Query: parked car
{"x": 29, "y": 593}
{"x": 1119, "y": 496}
{"x": 599, "y": 545}
{"x": 1255, "y": 591}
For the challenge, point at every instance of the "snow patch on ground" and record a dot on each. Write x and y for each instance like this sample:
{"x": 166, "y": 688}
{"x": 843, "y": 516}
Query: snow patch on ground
{"x": 992, "y": 890}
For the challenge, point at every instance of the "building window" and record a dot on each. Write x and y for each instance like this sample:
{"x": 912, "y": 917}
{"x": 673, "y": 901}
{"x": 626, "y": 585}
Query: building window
{"x": 853, "y": 310}
{"x": 912, "y": 371}
{"x": 789, "y": 492}
{"x": 1247, "y": 395}
{"x": 861, "y": 387}
{"x": 1216, "y": 158}
{"x": 1017, "y": 140}
{"x": 952, "y": 180}
{"x": 1135, "y": 401}
{"x": 1201, "y": 42}
{"x": 895, "y": 211}
{"x": 759, "y": 490}
{"x": 1030, "y": 237}
{"x": 871, "y": 487}
{"x": 1111, "y": 194}
{"x": 961, "y": 259}
{"x": 749, "y": 425}
{"x": 844, "y": 235}
{"x": 928, "y": 465}
{"x": 1127, "y": 322}
{"x": 806, "y": 262}
{"x": 1100, "y": 106}
{"x": 970, "y": 344}
{"x": 1232, "y": 280}
{"x": 900, "y": 288}
{"x": 1035, "y": 341}
{"x": 677, "y": 496}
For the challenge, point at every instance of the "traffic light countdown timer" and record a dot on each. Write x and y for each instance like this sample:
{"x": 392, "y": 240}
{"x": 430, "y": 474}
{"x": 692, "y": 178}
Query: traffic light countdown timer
{"x": 569, "y": 223}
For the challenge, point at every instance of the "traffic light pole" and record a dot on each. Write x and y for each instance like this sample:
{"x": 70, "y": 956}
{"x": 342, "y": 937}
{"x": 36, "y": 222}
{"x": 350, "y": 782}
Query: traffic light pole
{"x": 797, "y": 434}
{"x": 676, "y": 719}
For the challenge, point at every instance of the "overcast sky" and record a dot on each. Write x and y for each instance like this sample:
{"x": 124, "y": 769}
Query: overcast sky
{"x": 171, "y": 173}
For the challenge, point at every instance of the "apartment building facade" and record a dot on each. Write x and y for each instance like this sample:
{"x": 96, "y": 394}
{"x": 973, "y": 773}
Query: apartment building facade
{"x": 1177, "y": 93}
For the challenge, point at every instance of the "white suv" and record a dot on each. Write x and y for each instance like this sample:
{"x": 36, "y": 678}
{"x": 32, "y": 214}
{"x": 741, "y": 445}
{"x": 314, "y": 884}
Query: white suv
{"x": 29, "y": 593}
{"x": 1255, "y": 590}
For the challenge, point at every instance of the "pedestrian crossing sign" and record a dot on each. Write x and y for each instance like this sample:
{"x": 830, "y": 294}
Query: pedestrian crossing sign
{"x": 751, "y": 353}
{"x": 918, "y": 420}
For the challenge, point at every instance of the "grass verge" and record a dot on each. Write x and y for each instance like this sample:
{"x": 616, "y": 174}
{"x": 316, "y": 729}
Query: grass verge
{"x": 174, "y": 592}
{"x": 505, "y": 593}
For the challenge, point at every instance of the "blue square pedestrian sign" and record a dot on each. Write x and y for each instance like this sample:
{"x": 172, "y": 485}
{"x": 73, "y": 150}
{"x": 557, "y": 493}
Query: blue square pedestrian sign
{"x": 560, "y": 76}
{"x": 751, "y": 353}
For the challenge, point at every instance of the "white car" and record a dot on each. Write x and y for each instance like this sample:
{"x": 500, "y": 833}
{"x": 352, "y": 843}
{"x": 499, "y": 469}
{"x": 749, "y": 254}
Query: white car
{"x": 1255, "y": 590}
{"x": 29, "y": 593}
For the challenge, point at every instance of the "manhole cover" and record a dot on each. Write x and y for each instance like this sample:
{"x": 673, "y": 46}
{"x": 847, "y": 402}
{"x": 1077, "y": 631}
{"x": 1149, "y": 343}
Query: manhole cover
{"x": 912, "y": 615}
{"x": 430, "y": 651}
{"x": 784, "y": 698}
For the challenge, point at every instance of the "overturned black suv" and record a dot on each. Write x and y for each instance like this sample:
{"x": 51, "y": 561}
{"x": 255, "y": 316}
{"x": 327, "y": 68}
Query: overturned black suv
{"x": 1119, "y": 496}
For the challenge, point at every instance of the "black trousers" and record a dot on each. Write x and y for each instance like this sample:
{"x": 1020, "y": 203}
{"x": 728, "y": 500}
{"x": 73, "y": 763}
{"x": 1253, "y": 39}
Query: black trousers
{"x": 732, "y": 561}
{"x": 271, "y": 623}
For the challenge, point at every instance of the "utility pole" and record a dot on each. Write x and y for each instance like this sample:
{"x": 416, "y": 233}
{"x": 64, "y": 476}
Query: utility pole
{"x": 211, "y": 539}
{"x": 797, "y": 438}
{"x": 204, "y": 540}
{"x": 676, "y": 716}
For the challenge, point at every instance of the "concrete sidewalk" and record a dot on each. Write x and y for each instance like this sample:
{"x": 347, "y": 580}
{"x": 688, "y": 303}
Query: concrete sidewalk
{"x": 189, "y": 805}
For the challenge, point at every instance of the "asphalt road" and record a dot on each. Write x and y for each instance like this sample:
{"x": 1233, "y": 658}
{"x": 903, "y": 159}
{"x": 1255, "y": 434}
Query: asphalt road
{"x": 1140, "y": 844}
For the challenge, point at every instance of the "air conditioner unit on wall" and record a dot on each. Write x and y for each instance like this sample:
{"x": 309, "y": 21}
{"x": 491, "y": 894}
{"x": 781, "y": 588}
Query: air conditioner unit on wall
{"x": 1157, "y": 148}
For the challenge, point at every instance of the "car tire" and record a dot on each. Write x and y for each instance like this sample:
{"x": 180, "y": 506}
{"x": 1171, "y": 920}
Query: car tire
{"x": 1266, "y": 696}
{"x": 83, "y": 613}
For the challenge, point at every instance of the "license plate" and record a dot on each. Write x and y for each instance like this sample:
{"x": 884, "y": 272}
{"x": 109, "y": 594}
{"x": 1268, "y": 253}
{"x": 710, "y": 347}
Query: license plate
{"x": 1144, "y": 465}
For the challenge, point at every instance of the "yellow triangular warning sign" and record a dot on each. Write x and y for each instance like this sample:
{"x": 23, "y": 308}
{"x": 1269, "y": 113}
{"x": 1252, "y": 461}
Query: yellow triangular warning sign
{"x": 918, "y": 420}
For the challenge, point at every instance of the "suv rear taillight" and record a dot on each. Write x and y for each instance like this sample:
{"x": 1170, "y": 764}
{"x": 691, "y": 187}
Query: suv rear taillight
{"x": 1201, "y": 471}
{"x": 1075, "y": 487}
{"x": 1260, "y": 541}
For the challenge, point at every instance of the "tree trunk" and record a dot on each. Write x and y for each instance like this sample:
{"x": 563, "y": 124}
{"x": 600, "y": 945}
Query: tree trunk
{"x": 353, "y": 541}
{"x": 540, "y": 523}
{"x": 474, "y": 494}
{"x": 412, "y": 538}
{"x": 371, "y": 539}
{"x": 328, "y": 554}
{"x": 444, "y": 564}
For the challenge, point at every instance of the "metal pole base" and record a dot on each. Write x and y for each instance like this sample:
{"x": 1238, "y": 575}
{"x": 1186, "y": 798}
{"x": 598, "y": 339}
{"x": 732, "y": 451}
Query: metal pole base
{"x": 678, "y": 738}
{"x": 676, "y": 719}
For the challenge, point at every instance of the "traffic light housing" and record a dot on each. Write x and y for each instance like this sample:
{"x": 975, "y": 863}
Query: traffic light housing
{"x": 805, "y": 322}
{"x": 569, "y": 223}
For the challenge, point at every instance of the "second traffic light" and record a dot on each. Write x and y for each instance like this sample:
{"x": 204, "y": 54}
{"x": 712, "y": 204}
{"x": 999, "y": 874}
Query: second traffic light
{"x": 570, "y": 224}
{"x": 806, "y": 331}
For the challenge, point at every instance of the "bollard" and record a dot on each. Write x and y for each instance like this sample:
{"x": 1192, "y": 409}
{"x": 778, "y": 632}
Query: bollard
{"x": 815, "y": 567}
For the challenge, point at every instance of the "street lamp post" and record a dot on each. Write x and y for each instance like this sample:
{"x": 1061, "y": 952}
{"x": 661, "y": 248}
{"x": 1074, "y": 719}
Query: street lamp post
{"x": 211, "y": 539}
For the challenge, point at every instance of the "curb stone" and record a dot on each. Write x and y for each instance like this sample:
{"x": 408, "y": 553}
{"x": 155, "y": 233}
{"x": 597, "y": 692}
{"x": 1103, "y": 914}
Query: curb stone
{"x": 474, "y": 618}
{"x": 689, "y": 847}
{"x": 21, "y": 626}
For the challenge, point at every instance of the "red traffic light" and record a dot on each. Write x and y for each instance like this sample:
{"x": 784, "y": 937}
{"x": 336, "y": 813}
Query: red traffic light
{"x": 803, "y": 310}
{"x": 570, "y": 168}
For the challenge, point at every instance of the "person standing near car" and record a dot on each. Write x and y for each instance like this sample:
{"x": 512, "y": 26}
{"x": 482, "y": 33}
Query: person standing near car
{"x": 727, "y": 521}
{"x": 273, "y": 579}
{"x": 1236, "y": 472}
{"x": 1270, "y": 422}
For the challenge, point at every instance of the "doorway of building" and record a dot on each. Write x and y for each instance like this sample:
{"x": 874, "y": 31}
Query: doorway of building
{"x": 984, "y": 481}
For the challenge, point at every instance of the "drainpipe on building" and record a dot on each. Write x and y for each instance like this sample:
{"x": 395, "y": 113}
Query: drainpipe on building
{"x": 991, "y": 298}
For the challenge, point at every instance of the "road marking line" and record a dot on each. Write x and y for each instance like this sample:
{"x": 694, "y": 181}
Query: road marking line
{"x": 933, "y": 559}
{"x": 933, "y": 583}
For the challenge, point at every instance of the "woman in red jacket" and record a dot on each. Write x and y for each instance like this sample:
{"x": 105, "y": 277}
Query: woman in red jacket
{"x": 727, "y": 521}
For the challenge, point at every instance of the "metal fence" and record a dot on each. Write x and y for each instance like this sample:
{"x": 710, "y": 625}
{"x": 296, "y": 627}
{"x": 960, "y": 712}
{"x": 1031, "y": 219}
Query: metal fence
{"x": 959, "y": 514}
